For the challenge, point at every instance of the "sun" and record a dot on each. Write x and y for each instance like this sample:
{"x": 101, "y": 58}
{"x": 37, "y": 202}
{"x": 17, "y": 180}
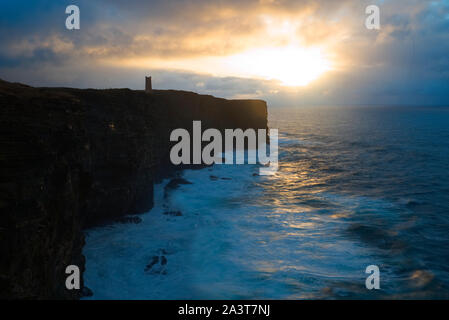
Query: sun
{"x": 291, "y": 65}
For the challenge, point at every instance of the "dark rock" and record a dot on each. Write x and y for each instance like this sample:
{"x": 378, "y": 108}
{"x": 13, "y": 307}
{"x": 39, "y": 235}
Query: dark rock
{"x": 175, "y": 183}
{"x": 86, "y": 292}
{"x": 129, "y": 219}
{"x": 173, "y": 213}
{"x": 157, "y": 265}
{"x": 72, "y": 159}
{"x": 154, "y": 261}
{"x": 213, "y": 178}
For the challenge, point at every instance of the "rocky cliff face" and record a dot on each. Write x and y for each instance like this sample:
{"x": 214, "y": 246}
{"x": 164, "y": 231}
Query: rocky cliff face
{"x": 73, "y": 158}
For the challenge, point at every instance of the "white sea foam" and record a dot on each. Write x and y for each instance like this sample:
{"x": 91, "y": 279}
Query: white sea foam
{"x": 234, "y": 240}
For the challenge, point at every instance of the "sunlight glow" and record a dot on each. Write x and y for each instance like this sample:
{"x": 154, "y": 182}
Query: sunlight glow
{"x": 292, "y": 65}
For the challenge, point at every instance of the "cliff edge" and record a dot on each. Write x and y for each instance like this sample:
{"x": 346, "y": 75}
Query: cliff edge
{"x": 73, "y": 158}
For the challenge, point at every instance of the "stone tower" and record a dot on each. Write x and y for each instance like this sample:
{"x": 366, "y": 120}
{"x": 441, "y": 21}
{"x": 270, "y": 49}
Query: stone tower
{"x": 148, "y": 87}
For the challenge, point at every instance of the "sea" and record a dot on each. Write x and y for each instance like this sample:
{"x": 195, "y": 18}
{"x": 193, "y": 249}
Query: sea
{"x": 356, "y": 187}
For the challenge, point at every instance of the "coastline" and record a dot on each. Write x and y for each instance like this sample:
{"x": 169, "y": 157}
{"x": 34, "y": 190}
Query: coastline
{"x": 77, "y": 158}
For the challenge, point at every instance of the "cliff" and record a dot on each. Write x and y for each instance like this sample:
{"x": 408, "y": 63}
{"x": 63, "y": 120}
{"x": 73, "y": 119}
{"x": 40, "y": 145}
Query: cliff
{"x": 72, "y": 158}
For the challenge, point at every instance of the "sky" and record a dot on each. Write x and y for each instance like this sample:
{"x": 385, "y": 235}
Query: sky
{"x": 287, "y": 52}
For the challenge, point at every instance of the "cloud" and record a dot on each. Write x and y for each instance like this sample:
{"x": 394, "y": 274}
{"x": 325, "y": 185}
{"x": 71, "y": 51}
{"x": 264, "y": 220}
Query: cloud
{"x": 405, "y": 62}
